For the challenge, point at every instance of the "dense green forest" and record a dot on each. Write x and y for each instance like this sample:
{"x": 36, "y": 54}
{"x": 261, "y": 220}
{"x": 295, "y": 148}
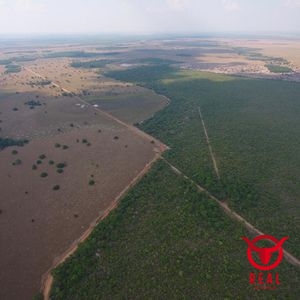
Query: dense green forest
{"x": 254, "y": 129}
{"x": 165, "y": 241}
{"x": 75, "y": 54}
{"x": 91, "y": 64}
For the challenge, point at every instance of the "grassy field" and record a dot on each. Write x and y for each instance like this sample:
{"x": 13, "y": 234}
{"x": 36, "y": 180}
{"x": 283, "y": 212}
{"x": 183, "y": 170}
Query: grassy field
{"x": 130, "y": 106}
{"x": 253, "y": 126}
{"x": 164, "y": 241}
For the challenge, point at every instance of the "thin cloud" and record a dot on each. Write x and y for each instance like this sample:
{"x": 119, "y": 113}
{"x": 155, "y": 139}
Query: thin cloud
{"x": 292, "y": 3}
{"x": 177, "y": 4}
{"x": 230, "y": 5}
{"x": 23, "y": 6}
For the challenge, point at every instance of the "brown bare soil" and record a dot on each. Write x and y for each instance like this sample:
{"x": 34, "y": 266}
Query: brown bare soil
{"x": 103, "y": 156}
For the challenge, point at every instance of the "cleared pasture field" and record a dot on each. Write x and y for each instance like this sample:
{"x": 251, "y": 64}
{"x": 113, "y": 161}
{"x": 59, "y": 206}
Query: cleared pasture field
{"x": 133, "y": 105}
{"x": 76, "y": 163}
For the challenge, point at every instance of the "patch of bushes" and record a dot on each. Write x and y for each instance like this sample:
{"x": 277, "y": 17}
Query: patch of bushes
{"x": 61, "y": 165}
{"x": 6, "y": 142}
{"x": 17, "y": 162}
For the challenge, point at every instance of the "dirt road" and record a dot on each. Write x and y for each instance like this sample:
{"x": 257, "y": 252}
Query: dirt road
{"x": 209, "y": 145}
{"x": 235, "y": 216}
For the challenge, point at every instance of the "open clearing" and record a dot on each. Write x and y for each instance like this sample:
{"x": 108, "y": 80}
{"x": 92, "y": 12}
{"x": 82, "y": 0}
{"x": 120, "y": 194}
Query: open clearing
{"x": 76, "y": 163}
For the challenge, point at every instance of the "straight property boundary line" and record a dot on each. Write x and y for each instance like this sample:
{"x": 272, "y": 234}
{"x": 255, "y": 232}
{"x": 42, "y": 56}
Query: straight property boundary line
{"x": 213, "y": 158}
{"x": 232, "y": 214}
{"x": 47, "y": 278}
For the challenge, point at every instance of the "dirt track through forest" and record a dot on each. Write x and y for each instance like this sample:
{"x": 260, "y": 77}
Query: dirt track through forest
{"x": 235, "y": 216}
{"x": 209, "y": 145}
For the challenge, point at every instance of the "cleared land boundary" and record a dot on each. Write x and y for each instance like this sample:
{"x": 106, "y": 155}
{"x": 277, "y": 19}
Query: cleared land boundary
{"x": 235, "y": 216}
{"x": 47, "y": 278}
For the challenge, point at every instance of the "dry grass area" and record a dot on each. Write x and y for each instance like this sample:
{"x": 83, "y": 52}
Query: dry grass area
{"x": 45, "y": 207}
{"x": 246, "y": 57}
{"x": 286, "y": 48}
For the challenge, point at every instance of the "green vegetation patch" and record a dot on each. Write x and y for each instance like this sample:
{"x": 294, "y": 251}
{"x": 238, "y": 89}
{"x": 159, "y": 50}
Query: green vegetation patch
{"x": 91, "y": 64}
{"x": 164, "y": 241}
{"x": 79, "y": 54}
{"x": 4, "y": 62}
{"x": 143, "y": 75}
{"x": 12, "y": 68}
{"x": 254, "y": 130}
{"x": 33, "y": 103}
{"x": 278, "y": 69}
{"x": 5, "y": 142}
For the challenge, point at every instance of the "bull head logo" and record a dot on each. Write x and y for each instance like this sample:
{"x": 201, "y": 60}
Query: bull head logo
{"x": 264, "y": 254}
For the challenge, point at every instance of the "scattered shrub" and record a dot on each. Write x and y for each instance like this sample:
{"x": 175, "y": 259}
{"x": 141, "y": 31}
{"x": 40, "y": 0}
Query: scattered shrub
{"x": 44, "y": 174}
{"x": 56, "y": 187}
{"x": 61, "y": 165}
{"x": 17, "y": 162}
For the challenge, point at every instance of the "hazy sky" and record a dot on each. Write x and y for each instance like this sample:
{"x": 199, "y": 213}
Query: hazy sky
{"x": 148, "y": 16}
